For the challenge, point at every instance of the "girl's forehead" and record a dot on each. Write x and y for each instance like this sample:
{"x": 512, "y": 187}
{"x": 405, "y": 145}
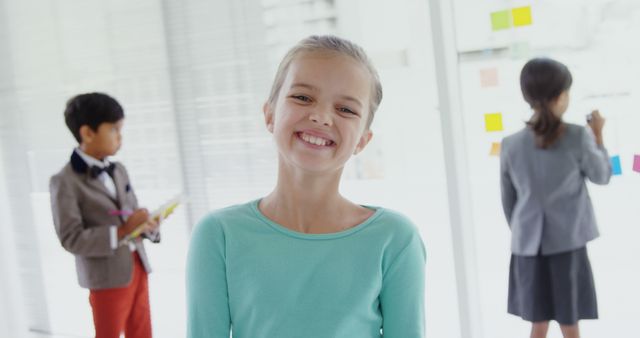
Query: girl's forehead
{"x": 317, "y": 66}
{"x": 324, "y": 57}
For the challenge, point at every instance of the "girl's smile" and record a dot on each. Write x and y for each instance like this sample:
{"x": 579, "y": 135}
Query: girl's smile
{"x": 315, "y": 139}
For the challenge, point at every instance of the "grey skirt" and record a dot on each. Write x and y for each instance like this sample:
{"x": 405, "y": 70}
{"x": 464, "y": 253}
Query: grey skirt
{"x": 554, "y": 287}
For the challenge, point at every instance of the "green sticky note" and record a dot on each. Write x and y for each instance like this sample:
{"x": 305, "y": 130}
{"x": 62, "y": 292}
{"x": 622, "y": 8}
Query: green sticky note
{"x": 500, "y": 20}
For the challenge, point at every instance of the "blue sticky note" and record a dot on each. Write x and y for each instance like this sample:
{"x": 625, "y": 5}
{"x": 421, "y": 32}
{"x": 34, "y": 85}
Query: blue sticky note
{"x": 616, "y": 168}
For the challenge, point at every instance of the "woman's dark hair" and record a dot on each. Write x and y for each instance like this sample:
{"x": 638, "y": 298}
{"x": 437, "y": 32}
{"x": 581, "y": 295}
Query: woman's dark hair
{"x": 542, "y": 80}
{"x": 91, "y": 109}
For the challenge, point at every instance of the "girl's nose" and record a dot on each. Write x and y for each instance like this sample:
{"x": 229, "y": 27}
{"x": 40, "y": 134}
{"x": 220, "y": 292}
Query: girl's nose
{"x": 321, "y": 116}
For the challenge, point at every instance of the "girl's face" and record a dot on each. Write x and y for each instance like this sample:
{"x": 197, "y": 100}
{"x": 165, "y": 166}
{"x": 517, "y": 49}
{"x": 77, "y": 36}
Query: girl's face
{"x": 560, "y": 105}
{"x": 319, "y": 117}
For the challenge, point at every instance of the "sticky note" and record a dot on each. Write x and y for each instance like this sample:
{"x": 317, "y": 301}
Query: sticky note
{"x": 500, "y": 20}
{"x": 493, "y": 122}
{"x": 488, "y": 77}
{"x": 519, "y": 50}
{"x": 636, "y": 163}
{"x": 521, "y": 16}
{"x": 616, "y": 168}
{"x": 495, "y": 149}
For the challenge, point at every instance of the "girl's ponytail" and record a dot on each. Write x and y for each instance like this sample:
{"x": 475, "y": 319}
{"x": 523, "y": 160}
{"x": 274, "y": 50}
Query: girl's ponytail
{"x": 542, "y": 81}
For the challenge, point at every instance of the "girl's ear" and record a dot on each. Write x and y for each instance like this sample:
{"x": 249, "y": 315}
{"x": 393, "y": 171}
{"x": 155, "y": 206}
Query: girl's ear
{"x": 86, "y": 134}
{"x": 268, "y": 116}
{"x": 559, "y": 105}
{"x": 364, "y": 140}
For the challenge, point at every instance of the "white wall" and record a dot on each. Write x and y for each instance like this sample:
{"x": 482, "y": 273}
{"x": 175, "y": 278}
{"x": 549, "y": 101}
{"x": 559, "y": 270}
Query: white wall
{"x": 12, "y": 312}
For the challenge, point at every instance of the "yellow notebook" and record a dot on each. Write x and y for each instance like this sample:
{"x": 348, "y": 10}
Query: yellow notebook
{"x": 159, "y": 215}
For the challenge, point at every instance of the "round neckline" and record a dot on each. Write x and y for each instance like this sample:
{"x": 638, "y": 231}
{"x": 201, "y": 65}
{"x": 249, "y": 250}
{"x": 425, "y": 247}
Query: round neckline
{"x": 331, "y": 235}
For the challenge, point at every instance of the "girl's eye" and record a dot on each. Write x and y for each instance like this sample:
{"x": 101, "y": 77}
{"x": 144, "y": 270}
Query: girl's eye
{"x": 347, "y": 110}
{"x": 301, "y": 98}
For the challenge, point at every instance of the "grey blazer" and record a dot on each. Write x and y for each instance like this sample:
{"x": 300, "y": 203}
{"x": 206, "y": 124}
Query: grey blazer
{"x": 544, "y": 194}
{"x": 81, "y": 208}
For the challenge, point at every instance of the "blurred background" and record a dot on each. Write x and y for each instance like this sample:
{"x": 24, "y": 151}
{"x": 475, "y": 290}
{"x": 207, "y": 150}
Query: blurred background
{"x": 192, "y": 76}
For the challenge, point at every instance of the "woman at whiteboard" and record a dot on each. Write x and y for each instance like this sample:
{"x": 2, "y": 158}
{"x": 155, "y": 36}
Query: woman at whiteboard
{"x": 545, "y": 200}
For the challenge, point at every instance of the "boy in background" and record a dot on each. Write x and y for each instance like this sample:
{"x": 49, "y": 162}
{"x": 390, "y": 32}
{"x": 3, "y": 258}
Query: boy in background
{"x": 94, "y": 208}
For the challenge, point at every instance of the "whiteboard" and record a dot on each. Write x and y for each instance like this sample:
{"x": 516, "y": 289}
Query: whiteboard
{"x": 597, "y": 40}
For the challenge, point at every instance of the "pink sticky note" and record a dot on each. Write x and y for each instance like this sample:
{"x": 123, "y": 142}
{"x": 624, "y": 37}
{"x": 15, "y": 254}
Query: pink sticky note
{"x": 636, "y": 163}
{"x": 488, "y": 77}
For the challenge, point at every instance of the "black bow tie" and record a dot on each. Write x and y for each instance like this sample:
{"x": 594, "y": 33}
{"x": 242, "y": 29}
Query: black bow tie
{"x": 95, "y": 171}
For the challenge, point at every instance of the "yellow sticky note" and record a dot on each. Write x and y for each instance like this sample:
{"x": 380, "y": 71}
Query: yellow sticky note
{"x": 521, "y": 16}
{"x": 493, "y": 122}
{"x": 500, "y": 20}
{"x": 495, "y": 149}
{"x": 488, "y": 77}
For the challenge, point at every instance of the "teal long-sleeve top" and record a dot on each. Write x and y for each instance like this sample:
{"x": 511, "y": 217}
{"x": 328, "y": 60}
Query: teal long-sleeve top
{"x": 254, "y": 277}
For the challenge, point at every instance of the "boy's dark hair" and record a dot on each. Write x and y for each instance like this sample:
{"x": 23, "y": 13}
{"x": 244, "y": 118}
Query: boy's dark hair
{"x": 91, "y": 109}
{"x": 542, "y": 80}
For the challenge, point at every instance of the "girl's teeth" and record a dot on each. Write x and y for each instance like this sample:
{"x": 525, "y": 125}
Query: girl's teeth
{"x": 314, "y": 140}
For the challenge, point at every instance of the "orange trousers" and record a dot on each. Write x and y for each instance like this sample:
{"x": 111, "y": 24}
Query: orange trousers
{"x": 123, "y": 309}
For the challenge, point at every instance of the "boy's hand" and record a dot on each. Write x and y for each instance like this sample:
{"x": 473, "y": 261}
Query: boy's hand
{"x": 151, "y": 225}
{"x": 138, "y": 217}
{"x": 149, "y": 229}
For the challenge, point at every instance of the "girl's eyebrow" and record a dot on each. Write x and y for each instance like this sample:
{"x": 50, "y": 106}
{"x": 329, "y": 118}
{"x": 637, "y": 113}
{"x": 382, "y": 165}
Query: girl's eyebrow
{"x": 303, "y": 85}
{"x": 313, "y": 88}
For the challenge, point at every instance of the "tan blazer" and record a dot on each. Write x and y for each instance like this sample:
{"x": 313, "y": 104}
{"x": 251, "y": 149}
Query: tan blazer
{"x": 81, "y": 208}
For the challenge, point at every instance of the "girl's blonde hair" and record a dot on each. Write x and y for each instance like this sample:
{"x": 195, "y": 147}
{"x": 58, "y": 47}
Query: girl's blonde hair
{"x": 333, "y": 44}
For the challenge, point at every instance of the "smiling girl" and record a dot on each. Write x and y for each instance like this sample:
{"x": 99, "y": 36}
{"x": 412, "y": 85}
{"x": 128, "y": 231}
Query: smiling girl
{"x": 304, "y": 261}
